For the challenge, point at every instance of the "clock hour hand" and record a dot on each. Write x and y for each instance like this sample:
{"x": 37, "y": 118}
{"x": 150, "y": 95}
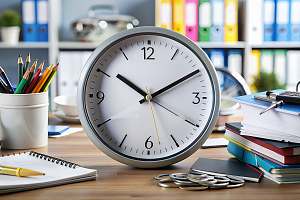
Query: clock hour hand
{"x": 176, "y": 114}
{"x": 171, "y": 85}
{"x": 131, "y": 85}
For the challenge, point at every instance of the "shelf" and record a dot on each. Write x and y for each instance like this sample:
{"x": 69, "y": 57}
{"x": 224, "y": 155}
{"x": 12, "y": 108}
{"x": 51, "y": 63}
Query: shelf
{"x": 276, "y": 45}
{"x": 25, "y": 45}
{"x": 78, "y": 45}
{"x": 211, "y": 45}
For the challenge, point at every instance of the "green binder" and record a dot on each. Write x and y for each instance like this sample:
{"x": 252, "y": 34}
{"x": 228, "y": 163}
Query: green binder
{"x": 204, "y": 20}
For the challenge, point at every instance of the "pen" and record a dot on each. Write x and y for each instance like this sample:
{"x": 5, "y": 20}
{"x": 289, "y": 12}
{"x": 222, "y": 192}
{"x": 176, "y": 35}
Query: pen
{"x": 5, "y": 79}
{"x": 27, "y": 62}
{"x": 35, "y": 79}
{"x": 20, "y": 67}
{"x": 4, "y": 86}
{"x": 17, "y": 171}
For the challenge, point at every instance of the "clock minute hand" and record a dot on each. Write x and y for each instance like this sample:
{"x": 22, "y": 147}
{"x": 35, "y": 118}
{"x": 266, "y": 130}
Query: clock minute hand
{"x": 162, "y": 90}
{"x": 131, "y": 85}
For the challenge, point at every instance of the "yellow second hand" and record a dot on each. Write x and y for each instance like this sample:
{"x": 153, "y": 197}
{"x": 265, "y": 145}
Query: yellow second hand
{"x": 148, "y": 98}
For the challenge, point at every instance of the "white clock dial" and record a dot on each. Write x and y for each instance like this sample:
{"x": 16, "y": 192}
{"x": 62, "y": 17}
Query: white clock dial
{"x": 148, "y": 98}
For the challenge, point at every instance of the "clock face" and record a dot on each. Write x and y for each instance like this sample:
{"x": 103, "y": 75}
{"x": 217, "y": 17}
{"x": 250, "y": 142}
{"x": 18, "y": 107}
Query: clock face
{"x": 147, "y": 97}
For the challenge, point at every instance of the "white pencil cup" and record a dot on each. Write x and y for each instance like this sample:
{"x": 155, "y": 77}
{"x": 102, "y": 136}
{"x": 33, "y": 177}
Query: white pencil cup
{"x": 24, "y": 120}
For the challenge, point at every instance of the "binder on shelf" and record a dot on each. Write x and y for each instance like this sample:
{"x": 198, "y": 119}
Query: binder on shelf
{"x": 178, "y": 16}
{"x": 280, "y": 65}
{"x": 269, "y": 20}
{"x": 254, "y": 68}
{"x": 293, "y": 71}
{"x": 282, "y": 20}
{"x": 267, "y": 61}
{"x": 217, "y": 28}
{"x": 163, "y": 13}
{"x": 295, "y": 20}
{"x": 191, "y": 19}
{"x": 231, "y": 20}
{"x": 255, "y": 30}
{"x": 217, "y": 56}
{"x": 235, "y": 61}
{"x": 29, "y": 21}
{"x": 42, "y": 20}
{"x": 204, "y": 20}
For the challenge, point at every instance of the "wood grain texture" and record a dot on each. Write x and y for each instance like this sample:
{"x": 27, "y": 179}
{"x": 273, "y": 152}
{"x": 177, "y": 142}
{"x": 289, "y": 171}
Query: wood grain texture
{"x": 117, "y": 181}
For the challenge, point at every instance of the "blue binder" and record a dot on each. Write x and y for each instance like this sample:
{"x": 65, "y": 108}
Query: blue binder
{"x": 29, "y": 21}
{"x": 217, "y": 57}
{"x": 294, "y": 20}
{"x": 269, "y": 20}
{"x": 42, "y": 20}
{"x": 217, "y": 29}
{"x": 282, "y": 20}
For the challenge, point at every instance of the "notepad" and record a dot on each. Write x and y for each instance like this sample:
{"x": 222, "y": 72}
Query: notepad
{"x": 57, "y": 172}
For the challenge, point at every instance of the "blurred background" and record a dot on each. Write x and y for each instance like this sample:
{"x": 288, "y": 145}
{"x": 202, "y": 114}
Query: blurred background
{"x": 258, "y": 40}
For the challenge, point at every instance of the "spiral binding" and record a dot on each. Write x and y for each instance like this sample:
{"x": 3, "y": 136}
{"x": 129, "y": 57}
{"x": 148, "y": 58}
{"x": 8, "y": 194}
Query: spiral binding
{"x": 53, "y": 159}
{"x": 46, "y": 157}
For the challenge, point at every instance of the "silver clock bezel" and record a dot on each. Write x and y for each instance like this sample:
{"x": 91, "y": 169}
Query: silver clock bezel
{"x": 84, "y": 118}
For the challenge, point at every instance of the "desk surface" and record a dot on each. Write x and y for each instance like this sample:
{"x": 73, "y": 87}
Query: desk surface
{"x": 118, "y": 181}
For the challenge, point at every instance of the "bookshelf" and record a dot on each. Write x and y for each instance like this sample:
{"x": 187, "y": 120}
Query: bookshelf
{"x": 59, "y": 40}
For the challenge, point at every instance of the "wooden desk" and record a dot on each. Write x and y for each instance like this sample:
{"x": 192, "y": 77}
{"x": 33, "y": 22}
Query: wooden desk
{"x": 117, "y": 181}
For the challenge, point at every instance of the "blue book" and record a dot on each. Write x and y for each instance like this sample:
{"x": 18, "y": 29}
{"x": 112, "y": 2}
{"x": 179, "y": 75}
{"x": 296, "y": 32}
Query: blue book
{"x": 294, "y": 20}
{"x": 217, "y": 28}
{"x": 257, "y": 161}
{"x": 29, "y": 21}
{"x": 282, "y": 20}
{"x": 57, "y": 129}
{"x": 42, "y": 20}
{"x": 269, "y": 12}
{"x": 293, "y": 109}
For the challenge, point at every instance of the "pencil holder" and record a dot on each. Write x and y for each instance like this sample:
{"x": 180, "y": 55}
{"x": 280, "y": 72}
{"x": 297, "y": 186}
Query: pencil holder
{"x": 24, "y": 120}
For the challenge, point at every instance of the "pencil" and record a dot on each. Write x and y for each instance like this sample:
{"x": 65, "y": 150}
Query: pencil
{"x": 32, "y": 69}
{"x": 31, "y": 72}
{"x": 20, "y": 67}
{"x": 22, "y": 83}
{"x": 43, "y": 79}
{"x": 5, "y": 79}
{"x": 35, "y": 79}
{"x": 27, "y": 62}
{"x": 50, "y": 78}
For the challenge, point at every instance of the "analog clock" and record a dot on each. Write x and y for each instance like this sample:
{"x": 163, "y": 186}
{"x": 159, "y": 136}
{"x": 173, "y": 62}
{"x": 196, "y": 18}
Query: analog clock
{"x": 148, "y": 97}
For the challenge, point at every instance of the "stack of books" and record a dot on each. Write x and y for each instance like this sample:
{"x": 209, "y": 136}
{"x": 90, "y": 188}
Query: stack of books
{"x": 270, "y": 141}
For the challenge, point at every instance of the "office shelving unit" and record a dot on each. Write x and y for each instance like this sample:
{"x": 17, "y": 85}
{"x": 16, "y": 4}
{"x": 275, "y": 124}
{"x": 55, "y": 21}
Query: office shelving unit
{"x": 55, "y": 45}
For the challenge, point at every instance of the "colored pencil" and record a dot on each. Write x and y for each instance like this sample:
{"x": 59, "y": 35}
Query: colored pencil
{"x": 31, "y": 72}
{"x": 20, "y": 67}
{"x": 23, "y": 82}
{"x": 50, "y": 78}
{"x": 27, "y": 62}
{"x": 35, "y": 79}
{"x": 43, "y": 79}
{"x": 5, "y": 79}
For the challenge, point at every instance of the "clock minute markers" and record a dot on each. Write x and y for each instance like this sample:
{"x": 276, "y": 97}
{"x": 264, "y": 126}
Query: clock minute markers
{"x": 173, "y": 84}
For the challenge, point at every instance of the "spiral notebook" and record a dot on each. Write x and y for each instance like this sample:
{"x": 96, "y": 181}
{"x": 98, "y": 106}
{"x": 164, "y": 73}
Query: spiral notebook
{"x": 57, "y": 172}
